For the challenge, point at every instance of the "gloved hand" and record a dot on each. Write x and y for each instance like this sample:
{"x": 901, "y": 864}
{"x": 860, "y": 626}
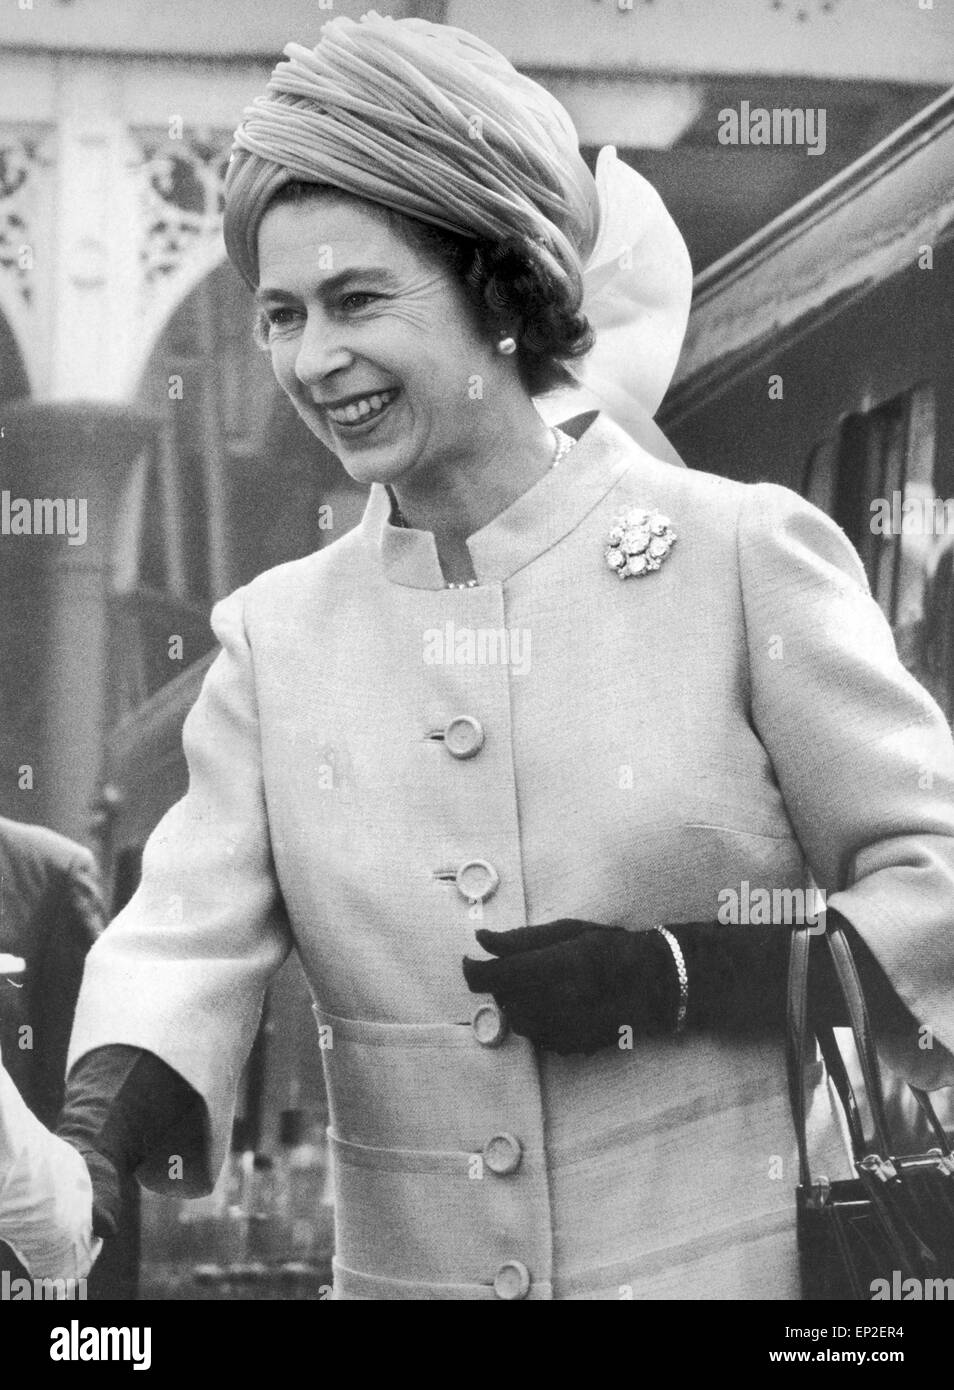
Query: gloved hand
{"x": 46, "y": 1197}
{"x": 570, "y": 986}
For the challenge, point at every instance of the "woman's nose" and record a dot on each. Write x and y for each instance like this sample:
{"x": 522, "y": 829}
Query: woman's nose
{"x": 320, "y": 351}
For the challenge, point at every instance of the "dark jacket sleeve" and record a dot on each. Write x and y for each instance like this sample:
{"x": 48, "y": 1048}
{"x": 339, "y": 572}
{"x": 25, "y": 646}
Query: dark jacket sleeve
{"x": 75, "y": 918}
{"x": 121, "y": 1104}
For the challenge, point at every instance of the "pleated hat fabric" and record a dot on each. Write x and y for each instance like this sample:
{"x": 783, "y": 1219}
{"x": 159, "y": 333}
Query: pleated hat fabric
{"x": 425, "y": 119}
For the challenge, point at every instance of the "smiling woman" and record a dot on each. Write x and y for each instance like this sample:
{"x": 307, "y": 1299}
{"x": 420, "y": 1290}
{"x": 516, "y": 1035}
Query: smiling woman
{"x": 507, "y": 290}
{"x": 552, "y": 1072}
{"x": 390, "y": 362}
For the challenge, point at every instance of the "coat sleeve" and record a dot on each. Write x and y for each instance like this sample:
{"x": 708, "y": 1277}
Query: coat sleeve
{"x": 73, "y": 919}
{"x": 864, "y": 760}
{"x": 182, "y": 970}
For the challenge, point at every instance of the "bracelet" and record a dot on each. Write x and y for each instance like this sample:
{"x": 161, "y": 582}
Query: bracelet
{"x": 681, "y": 972}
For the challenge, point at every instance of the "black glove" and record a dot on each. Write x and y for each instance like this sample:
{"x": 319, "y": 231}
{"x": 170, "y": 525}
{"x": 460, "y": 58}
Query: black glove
{"x": 571, "y": 986}
{"x": 120, "y": 1103}
{"x": 738, "y": 979}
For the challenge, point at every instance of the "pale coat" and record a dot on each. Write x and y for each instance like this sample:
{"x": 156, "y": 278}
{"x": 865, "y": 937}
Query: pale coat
{"x": 672, "y": 736}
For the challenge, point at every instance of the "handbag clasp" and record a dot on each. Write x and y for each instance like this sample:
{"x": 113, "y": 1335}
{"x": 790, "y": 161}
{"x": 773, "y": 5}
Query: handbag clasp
{"x": 881, "y": 1168}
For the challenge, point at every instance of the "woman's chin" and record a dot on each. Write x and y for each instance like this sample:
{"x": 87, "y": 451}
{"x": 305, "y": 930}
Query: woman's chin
{"x": 376, "y": 455}
{"x": 387, "y": 466}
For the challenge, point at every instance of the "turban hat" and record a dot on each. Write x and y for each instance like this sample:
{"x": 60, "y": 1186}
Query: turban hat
{"x": 433, "y": 123}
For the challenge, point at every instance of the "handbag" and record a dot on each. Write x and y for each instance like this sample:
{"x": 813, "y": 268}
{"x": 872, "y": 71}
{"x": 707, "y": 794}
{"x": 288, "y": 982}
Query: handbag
{"x": 893, "y": 1221}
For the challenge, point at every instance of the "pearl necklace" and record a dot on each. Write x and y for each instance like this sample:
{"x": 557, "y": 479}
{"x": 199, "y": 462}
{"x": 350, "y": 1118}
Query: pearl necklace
{"x": 562, "y": 444}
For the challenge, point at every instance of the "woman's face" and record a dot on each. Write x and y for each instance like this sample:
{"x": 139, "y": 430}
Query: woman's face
{"x": 373, "y": 342}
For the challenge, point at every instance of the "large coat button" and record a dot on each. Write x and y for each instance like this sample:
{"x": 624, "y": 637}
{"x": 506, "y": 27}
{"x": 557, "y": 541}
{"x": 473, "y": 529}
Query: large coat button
{"x": 464, "y": 737}
{"x": 502, "y": 1154}
{"x": 477, "y": 880}
{"x": 490, "y": 1025}
{"x": 512, "y": 1281}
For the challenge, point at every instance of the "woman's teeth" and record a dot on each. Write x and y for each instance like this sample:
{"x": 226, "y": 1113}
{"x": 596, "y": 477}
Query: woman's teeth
{"x": 361, "y": 409}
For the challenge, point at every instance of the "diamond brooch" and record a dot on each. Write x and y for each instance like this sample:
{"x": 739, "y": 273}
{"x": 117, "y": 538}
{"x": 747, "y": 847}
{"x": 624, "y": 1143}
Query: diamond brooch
{"x": 639, "y": 542}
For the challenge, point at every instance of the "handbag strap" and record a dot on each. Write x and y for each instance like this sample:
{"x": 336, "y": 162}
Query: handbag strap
{"x": 798, "y": 1036}
{"x": 796, "y": 1043}
{"x": 849, "y": 981}
{"x": 799, "y": 1031}
{"x": 839, "y": 945}
{"x": 838, "y": 1075}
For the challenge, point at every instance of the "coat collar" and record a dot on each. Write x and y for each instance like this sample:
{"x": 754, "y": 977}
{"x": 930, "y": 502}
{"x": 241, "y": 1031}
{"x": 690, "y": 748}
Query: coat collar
{"x": 537, "y": 520}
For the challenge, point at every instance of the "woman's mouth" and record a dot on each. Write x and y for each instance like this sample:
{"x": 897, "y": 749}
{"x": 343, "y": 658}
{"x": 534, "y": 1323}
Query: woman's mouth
{"x": 362, "y": 413}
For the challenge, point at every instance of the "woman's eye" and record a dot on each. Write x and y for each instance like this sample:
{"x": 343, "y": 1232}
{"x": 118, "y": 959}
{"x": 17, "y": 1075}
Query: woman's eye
{"x": 281, "y": 317}
{"x": 358, "y": 299}
{"x": 271, "y": 323}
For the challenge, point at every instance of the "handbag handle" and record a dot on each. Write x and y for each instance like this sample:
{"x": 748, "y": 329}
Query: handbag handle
{"x": 849, "y": 981}
{"x": 795, "y": 1044}
{"x": 798, "y": 1033}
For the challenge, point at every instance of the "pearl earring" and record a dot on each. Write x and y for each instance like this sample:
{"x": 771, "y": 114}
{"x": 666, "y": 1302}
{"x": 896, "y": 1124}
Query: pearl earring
{"x": 507, "y": 346}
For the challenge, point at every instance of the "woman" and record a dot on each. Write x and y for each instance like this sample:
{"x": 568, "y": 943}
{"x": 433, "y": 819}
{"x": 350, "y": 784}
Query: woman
{"x": 551, "y": 687}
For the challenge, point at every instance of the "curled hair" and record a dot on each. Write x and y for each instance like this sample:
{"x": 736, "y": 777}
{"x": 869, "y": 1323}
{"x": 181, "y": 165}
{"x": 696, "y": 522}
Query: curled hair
{"x": 516, "y": 289}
